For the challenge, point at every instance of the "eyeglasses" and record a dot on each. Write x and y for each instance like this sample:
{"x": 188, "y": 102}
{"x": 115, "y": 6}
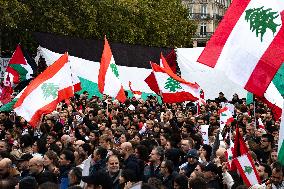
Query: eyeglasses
{"x": 264, "y": 141}
{"x": 116, "y": 163}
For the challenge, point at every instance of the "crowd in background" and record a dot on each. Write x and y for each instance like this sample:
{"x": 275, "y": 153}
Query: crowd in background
{"x": 91, "y": 142}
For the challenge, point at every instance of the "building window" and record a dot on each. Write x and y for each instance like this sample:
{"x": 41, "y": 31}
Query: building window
{"x": 203, "y": 29}
{"x": 203, "y": 10}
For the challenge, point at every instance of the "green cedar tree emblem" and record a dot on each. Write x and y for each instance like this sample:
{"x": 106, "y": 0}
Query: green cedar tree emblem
{"x": 49, "y": 89}
{"x": 114, "y": 69}
{"x": 248, "y": 169}
{"x": 172, "y": 84}
{"x": 230, "y": 158}
{"x": 261, "y": 19}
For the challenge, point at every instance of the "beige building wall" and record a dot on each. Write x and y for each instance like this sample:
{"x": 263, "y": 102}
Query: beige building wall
{"x": 207, "y": 14}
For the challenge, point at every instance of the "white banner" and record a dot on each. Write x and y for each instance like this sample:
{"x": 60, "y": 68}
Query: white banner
{"x": 204, "y": 132}
{"x": 3, "y": 65}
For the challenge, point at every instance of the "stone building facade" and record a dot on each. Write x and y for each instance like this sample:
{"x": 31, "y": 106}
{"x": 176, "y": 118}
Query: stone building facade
{"x": 207, "y": 14}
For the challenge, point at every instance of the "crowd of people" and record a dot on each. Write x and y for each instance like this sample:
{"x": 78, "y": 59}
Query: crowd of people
{"x": 91, "y": 142}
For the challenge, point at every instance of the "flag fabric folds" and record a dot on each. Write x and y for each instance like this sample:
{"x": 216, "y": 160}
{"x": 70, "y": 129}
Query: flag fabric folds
{"x": 172, "y": 88}
{"x": 42, "y": 95}
{"x": 108, "y": 79}
{"x": 245, "y": 47}
{"x": 20, "y": 68}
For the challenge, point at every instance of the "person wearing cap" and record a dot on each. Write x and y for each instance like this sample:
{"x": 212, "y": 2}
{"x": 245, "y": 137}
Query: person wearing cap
{"x": 211, "y": 176}
{"x": 192, "y": 161}
{"x": 99, "y": 180}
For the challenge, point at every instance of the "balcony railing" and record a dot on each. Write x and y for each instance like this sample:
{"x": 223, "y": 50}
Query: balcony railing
{"x": 203, "y": 35}
{"x": 199, "y": 16}
{"x": 202, "y": 16}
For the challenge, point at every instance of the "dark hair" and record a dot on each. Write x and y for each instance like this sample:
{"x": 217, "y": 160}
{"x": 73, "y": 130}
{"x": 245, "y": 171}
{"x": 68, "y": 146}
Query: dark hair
{"x": 102, "y": 152}
{"x": 69, "y": 155}
{"x": 77, "y": 171}
{"x": 182, "y": 181}
{"x": 128, "y": 175}
{"x": 267, "y": 169}
{"x": 26, "y": 140}
{"x": 75, "y": 187}
{"x": 197, "y": 183}
{"x": 143, "y": 152}
{"x": 169, "y": 165}
{"x": 49, "y": 185}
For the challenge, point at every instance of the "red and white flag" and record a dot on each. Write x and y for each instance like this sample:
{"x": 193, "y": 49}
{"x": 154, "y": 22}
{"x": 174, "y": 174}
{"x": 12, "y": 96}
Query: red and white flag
{"x": 108, "y": 79}
{"x": 242, "y": 161}
{"x": 248, "y": 43}
{"x": 42, "y": 95}
{"x": 247, "y": 169}
{"x": 173, "y": 88}
{"x": 225, "y": 117}
{"x": 260, "y": 124}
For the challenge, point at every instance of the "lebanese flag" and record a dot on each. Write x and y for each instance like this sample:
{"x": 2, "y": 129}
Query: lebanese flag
{"x": 247, "y": 169}
{"x": 137, "y": 94}
{"x": 229, "y": 156}
{"x": 245, "y": 46}
{"x": 168, "y": 62}
{"x": 42, "y": 95}
{"x": 225, "y": 117}
{"x": 108, "y": 79}
{"x": 173, "y": 88}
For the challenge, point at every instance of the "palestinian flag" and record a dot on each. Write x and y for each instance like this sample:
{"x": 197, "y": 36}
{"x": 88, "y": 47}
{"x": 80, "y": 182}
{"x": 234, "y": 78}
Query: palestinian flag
{"x": 281, "y": 141}
{"x": 108, "y": 81}
{"x": 173, "y": 88}
{"x": 248, "y": 44}
{"x": 55, "y": 84}
{"x": 20, "y": 68}
{"x": 247, "y": 169}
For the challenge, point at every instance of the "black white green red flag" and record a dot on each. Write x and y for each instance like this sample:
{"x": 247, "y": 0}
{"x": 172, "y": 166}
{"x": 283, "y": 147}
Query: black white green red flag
{"x": 20, "y": 68}
{"x": 248, "y": 44}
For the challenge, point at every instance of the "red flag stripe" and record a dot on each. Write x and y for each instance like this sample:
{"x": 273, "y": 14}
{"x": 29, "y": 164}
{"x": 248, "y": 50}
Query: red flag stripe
{"x": 178, "y": 97}
{"x": 269, "y": 64}
{"x": 214, "y": 47}
{"x": 157, "y": 68}
{"x": 105, "y": 61}
{"x": 62, "y": 95}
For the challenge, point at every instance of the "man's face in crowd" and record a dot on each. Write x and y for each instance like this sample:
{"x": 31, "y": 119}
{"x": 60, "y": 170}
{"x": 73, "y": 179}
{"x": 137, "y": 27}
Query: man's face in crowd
{"x": 3, "y": 116}
{"x": 185, "y": 146}
{"x": 49, "y": 123}
{"x": 180, "y": 118}
{"x": 191, "y": 160}
{"x": 34, "y": 167}
{"x": 3, "y": 146}
{"x": 149, "y": 124}
{"x": 126, "y": 120}
{"x": 63, "y": 161}
{"x": 154, "y": 156}
{"x": 163, "y": 169}
{"x": 113, "y": 164}
{"x": 264, "y": 143}
{"x": 276, "y": 177}
{"x": 260, "y": 169}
